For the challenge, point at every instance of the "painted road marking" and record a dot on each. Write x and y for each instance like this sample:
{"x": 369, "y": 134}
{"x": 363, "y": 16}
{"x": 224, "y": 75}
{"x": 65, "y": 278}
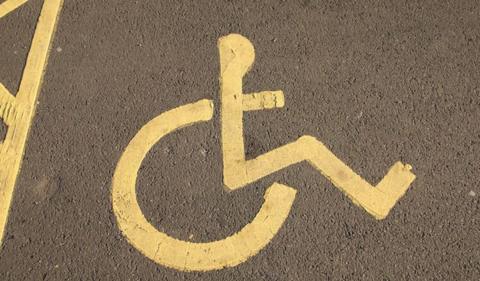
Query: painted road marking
{"x": 236, "y": 57}
{"x": 17, "y": 112}
{"x": 178, "y": 254}
{"x": 10, "y": 5}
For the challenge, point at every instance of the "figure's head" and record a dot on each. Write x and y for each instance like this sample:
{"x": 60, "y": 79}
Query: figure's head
{"x": 236, "y": 53}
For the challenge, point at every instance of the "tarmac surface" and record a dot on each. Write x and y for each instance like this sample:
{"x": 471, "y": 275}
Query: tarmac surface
{"x": 375, "y": 82}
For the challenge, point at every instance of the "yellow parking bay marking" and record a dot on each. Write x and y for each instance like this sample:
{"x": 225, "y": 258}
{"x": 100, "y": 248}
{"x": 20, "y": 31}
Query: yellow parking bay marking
{"x": 10, "y": 5}
{"x": 17, "y": 112}
{"x": 236, "y": 57}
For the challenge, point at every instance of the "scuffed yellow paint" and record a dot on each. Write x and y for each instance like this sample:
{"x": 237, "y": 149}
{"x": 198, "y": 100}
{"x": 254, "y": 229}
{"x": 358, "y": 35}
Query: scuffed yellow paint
{"x": 17, "y": 112}
{"x": 263, "y": 100}
{"x": 10, "y": 5}
{"x": 236, "y": 57}
{"x": 178, "y": 254}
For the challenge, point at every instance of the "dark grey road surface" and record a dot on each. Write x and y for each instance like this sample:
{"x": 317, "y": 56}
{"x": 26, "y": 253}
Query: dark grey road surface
{"x": 377, "y": 82}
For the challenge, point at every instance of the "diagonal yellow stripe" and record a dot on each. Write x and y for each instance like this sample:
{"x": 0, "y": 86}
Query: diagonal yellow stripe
{"x": 10, "y": 5}
{"x": 13, "y": 147}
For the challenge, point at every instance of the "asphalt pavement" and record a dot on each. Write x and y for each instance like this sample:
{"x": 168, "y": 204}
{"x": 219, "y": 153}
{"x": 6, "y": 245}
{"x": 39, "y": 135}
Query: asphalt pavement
{"x": 376, "y": 82}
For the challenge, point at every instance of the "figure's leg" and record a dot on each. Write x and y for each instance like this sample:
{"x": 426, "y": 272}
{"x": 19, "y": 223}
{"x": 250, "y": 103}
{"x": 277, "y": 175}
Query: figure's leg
{"x": 236, "y": 57}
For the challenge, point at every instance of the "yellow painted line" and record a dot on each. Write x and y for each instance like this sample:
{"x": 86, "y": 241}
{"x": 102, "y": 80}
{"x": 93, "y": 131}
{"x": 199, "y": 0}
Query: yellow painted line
{"x": 236, "y": 58}
{"x": 178, "y": 254}
{"x": 7, "y": 105}
{"x": 10, "y": 5}
{"x": 18, "y": 112}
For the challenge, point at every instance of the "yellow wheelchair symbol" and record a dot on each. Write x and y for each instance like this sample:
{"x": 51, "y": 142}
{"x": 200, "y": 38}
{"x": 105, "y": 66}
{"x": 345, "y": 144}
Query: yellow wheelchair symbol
{"x": 236, "y": 57}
